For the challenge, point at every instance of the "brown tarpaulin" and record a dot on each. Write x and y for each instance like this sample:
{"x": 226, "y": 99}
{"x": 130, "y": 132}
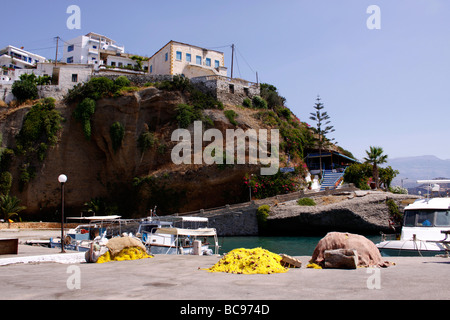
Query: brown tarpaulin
{"x": 115, "y": 245}
{"x": 368, "y": 253}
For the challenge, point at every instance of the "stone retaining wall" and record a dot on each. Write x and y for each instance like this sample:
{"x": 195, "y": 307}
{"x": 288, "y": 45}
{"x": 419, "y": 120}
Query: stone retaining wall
{"x": 36, "y": 225}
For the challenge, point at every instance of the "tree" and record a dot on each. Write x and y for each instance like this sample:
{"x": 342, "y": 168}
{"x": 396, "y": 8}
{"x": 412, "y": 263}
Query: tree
{"x": 323, "y": 127}
{"x": 375, "y": 157}
{"x": 25, "y": 88}
{"x": 9, "y": 206}
{"x": 387, "y": 175}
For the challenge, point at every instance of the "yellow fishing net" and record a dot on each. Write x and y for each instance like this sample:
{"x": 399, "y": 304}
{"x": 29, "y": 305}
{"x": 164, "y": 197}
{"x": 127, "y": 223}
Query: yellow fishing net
{"x": 131, "y": 253}
{"x": 249, "y": 261}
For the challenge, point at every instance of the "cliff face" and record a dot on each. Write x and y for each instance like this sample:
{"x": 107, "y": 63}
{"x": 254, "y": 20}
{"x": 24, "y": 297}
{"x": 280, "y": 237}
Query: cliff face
{"x": 95, "y": 170}
{"x": 362, "y": 212}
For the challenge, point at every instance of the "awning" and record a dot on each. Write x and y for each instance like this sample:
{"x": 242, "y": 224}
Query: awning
{"x": 328, "y": 154}
{"x": 93, "y": 218}
{"x": 188, "y": 232}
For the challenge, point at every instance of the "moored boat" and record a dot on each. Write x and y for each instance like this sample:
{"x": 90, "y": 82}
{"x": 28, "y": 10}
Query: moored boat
{"x": 178, "y": 235}
{"x": 426, "y": 225}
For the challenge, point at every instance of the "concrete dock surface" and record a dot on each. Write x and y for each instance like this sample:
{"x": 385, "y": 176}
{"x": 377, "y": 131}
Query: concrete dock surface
{"x": 169, "y": 277}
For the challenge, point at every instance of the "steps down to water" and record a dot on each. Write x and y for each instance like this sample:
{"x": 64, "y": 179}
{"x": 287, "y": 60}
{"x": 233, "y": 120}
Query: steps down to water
{"x": 331, "y": 179}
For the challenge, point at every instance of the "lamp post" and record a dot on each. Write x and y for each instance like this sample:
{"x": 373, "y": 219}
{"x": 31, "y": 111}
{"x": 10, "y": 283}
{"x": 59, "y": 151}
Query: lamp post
{"x": 62, "y": 179}
{"x": 402, "y": 181}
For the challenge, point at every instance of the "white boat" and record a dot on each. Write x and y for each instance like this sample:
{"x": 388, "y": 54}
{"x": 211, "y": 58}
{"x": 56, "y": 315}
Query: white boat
{"x": 96, "y": 227}
{"x": 426, "y": 225}
{"x": 178, "y": 235}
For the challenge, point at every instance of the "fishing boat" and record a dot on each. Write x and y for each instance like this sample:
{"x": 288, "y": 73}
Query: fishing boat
{"x": 425, "y": 229}
{"x": 94, "y": 228}
{"x": 178, "y": 235}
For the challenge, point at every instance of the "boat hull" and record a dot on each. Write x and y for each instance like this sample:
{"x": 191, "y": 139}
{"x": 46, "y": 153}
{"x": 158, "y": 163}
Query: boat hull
{"x": 155, "y": 249}
{"x": 410, "y": 248}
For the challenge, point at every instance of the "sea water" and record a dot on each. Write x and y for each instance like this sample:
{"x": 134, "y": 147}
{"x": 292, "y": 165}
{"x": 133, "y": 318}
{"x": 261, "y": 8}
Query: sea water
{"x": 293, "y": 246}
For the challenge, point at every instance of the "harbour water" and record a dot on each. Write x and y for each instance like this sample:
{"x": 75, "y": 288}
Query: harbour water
{"x": 294, "y": 246}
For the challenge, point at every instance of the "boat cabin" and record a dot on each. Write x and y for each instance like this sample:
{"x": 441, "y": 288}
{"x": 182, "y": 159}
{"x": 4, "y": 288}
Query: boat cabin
{"x": 426, "y": 218}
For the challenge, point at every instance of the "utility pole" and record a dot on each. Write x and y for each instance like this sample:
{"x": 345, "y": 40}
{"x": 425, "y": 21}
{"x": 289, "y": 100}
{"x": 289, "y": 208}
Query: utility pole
{"x": 57, "y": 44}
{"x": 232, "y": 59}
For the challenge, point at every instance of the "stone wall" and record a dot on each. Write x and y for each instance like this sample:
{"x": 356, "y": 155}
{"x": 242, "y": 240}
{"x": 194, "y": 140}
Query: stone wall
{"x": 36, "y": 225}
{"x": 227, "y": 90}
{"x": 137, "y": 79}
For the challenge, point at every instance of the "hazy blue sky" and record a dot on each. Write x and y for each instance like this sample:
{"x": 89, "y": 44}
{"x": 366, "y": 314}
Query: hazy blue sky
{"x": 387, "y": 87}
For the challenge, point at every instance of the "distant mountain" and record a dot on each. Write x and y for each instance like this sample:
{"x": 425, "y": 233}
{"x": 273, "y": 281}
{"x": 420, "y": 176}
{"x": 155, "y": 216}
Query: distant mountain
{"x": 419, "y": 168}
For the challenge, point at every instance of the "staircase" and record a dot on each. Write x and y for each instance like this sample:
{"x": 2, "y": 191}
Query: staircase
{"x": 331, "y": 179}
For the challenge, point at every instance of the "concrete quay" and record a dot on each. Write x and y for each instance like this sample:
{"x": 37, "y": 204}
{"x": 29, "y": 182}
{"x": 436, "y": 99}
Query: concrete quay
{"x": 168, "y": 277}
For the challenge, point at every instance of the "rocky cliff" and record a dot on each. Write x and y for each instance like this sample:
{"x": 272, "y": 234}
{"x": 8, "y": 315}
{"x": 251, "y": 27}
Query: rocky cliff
{"x": 358, "y": 212}
{"x": 132, "y": 178}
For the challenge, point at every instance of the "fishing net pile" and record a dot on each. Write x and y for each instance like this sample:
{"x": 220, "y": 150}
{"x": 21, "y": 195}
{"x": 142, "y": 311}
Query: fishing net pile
{"x": 123, "y": 248}
{"x": 368, "y": 253}
{"x": 249, "y": 261}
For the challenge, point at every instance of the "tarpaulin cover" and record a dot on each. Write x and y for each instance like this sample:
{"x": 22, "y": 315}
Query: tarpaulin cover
{"x": 368, "y": 253}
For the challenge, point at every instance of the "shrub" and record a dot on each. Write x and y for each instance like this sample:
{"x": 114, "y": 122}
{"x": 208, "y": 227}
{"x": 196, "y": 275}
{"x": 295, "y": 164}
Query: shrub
{"x": 264, "y": 186}
{"x": 25, "y": 88}
{"x": 271, "y": 95}
{"x": 40, "y": 125}
{"x": 121, "y": 82}
{"x": 398, "y": 190}
{"x": 231, "y": 114}
{"x": 83, "y": 113}
{"x": 306, "y": 202}
{"x": 186, "y": 114}
{"x": 261, "y": 215}
{"x": 394, "y": 212}
{"x": 95, "y": 89}
{"x": 247, "y": 103}
{"x": 259, "y": 103}
{"x": 117, "y": 132}
{"x": 5, "y": 182}
{"x": 145, "y": 141}
{"x": 358, "y": 174}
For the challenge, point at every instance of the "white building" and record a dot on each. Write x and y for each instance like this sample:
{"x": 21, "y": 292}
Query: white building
{"x": 188, "y": 60}
{"x": 12, "y": 58}
{"x": 87, "y": 49}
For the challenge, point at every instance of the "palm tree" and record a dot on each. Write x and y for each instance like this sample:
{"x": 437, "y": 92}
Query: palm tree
{"x": 9, "y": 207}
{"x": 375, "y": 157}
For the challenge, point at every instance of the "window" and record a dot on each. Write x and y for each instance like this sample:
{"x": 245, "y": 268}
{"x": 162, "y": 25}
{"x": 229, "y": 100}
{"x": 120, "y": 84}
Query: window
{"x": 70, "y": 60}
{"x": 178, "y": 55}
{"x": 113, "y": 63}
{"x": 425, "y": 219}
{"x": 198, "y": 60}
{"x": 74, "y": 78}
{"x": 70, "y": 48}
{"x": 208, "y": 62}
{"x": 410, "y": 218}
{"x": 120, "y": 64}
{"x": 231, "y": 88}
{"x": 216, "y": 64}
{"x": 94, "y": 47}
{"x": 188, "y": 57}
{"x": 443, "y": 218}
{"x": 167, "y": 56}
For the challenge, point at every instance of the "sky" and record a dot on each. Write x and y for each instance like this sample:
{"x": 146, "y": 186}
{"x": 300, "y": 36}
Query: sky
{"x": 386, "y": 87}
